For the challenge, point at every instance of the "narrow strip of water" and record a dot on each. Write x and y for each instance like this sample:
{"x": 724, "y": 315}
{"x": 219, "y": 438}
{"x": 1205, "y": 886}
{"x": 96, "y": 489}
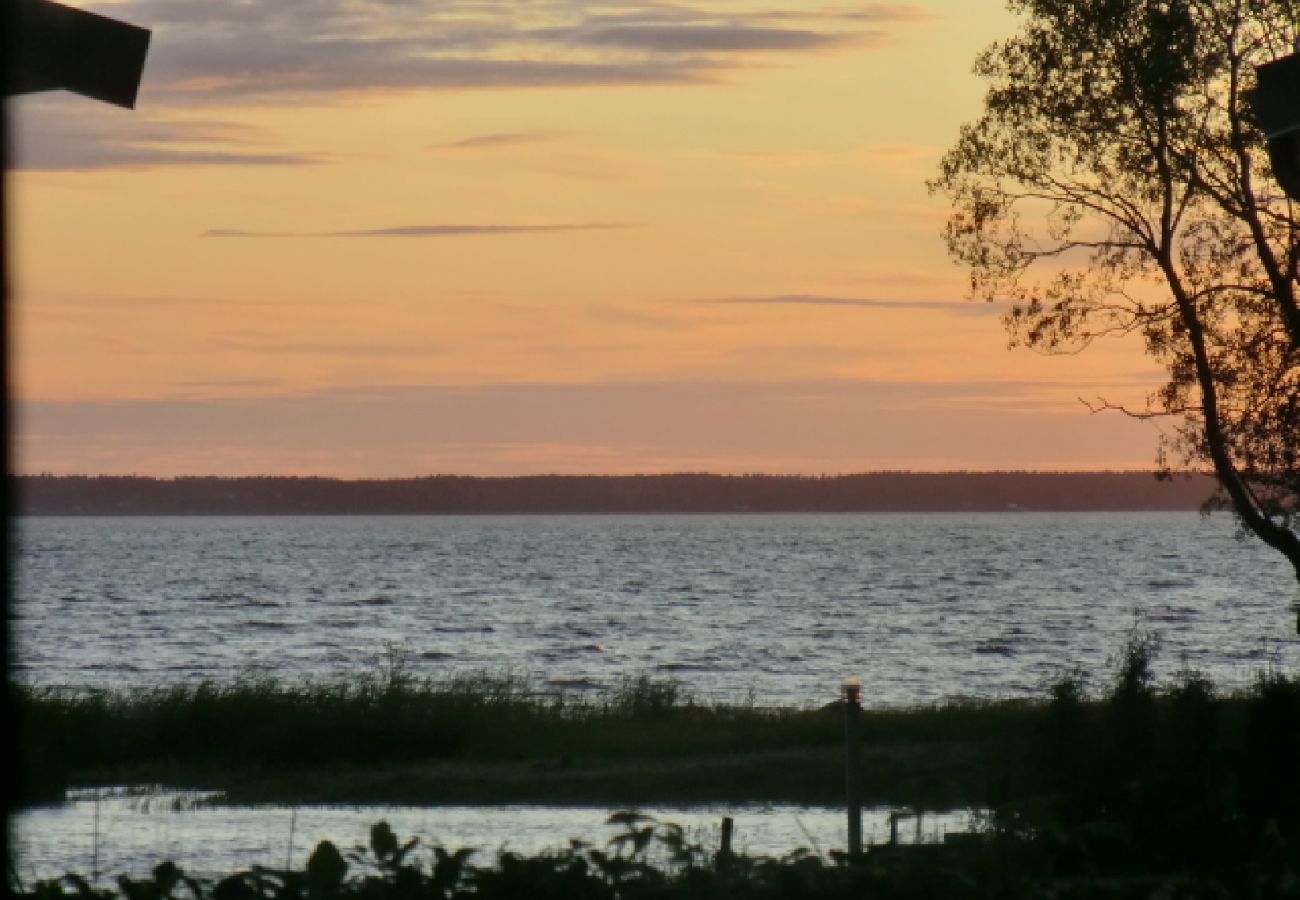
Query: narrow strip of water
{"x": 129, "y": 831}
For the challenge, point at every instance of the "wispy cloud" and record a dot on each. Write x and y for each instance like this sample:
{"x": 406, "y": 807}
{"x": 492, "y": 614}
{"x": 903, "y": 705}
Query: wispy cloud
{"x": 126, "y": 156}
{"x": 418, "y": 231}
{"x": 499, "y": 139}
{"x": 254, "y": 341}
{"x": 281, "y": 51}
{"x": 227, "y": 386}
{"x": 64, "y": 137}
{"x": 710, "y": 38}
{"x": 941, "y": 306}
{"x": 867, "y": 12}
{"x": 279, "y": 48}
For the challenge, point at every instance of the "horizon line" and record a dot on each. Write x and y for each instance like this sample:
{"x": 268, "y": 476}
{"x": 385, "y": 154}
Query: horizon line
{"x": 1156, "y": 473}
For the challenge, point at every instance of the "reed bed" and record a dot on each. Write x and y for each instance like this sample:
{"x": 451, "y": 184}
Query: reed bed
{"x": 478, "y": 737}
{"x": 503, "y": 737}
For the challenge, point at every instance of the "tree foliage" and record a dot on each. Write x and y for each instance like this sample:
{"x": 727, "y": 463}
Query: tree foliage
{"x": 1116, "y": 184}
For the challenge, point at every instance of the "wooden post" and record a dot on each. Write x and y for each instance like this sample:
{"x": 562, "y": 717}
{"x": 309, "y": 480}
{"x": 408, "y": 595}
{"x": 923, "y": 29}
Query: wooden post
{"x": 724, "y": 852}
{"x": 852, "y": 696}
{"x": 1295, "y": 605}
{"x": 94, "y": 846}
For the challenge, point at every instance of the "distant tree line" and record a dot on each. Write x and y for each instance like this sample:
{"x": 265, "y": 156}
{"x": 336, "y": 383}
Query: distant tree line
{"x": 680, "y": 493}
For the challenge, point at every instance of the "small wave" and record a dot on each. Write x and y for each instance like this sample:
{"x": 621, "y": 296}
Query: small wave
{"x": 464, "y": 629}
{"x": 263, "y": 603}
{"x": 377, "y": 600}
{"x": 995, "y": 648}
{"x": 235, "y": 597}
{"x": 262, "y": 623}
{"x": 1165, "y": 584}
{"x": 685, "y": 667}
{"x": 1173, "y": 614}
{"x": 574, "y": 684}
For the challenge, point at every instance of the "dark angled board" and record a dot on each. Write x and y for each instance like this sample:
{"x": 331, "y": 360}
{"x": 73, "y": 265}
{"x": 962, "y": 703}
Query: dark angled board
{"x": 57, "y": 47}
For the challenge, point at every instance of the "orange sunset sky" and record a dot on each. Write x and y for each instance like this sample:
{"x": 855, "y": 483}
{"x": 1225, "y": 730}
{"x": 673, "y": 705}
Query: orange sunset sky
{"x": 379, "y": 238}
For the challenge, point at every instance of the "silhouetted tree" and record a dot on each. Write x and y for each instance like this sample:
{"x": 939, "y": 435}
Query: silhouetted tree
{"x": 1115, "y": 185}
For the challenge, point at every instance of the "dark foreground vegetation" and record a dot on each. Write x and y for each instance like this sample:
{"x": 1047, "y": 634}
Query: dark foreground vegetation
{"x": 656, "y": 860}
{"x": 1132, "y": 791}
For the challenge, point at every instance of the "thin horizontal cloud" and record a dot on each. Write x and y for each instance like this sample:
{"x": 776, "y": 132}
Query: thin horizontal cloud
{"x": 441, "y": 74}
{"x": 869, "y": 12}
{"x": 228, "y": 384}
{"x": 127, "y": 156}
{"x": 712, "y": 38}
{"x": 52, "y": 134}
{"x": 269, "y": 344}
{"x": 499, "y": 139}
{"x": 958, "y": 308}
{"x": 407, "y": 231}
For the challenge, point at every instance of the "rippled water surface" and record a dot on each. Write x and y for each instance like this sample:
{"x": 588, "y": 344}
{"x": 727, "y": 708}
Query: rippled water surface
{"x": 784, "y": 606}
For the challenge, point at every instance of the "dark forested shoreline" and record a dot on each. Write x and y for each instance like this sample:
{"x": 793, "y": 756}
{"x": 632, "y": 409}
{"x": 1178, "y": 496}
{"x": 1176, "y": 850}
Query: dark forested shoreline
{"x": 679, "y": 493}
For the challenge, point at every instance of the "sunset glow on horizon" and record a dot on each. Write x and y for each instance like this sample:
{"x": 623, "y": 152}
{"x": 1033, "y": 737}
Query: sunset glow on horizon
{"x": 365, "y": 239}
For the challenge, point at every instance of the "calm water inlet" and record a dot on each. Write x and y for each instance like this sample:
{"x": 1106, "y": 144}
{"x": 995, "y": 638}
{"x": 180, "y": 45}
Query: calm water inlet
{"x": 130, "y": 834}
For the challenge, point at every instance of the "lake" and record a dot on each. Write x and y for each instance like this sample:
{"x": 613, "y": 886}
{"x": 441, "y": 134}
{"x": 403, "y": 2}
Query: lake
{"x": 780, "y": 608}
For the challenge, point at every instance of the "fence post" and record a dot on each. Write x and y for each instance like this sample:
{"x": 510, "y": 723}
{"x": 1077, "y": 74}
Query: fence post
{"x": 724, "y": 852}
{"x": 852, "y": 697}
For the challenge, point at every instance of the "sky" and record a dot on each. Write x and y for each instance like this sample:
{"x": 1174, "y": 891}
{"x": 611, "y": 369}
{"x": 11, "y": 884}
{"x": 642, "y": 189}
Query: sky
{"x": 380, "y": 238}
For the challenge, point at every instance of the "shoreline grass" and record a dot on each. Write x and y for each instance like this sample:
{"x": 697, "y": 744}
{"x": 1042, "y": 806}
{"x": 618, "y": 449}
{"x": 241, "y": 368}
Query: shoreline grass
{"x": 493, "y": 739}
